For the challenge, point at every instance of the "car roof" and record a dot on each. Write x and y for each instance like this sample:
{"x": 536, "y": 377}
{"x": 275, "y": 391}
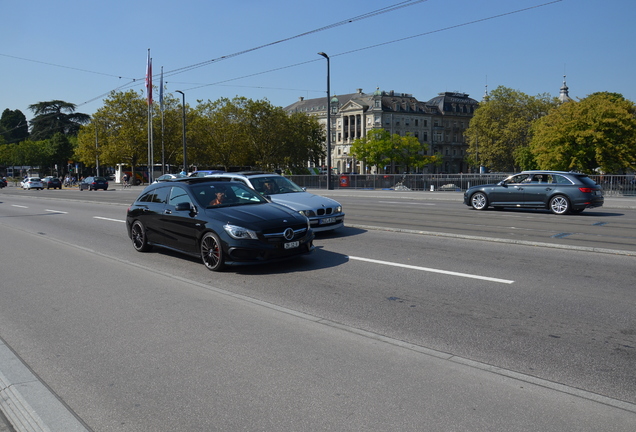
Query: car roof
{"x": 245, "y": 174}
{"x": 552, "y": 172}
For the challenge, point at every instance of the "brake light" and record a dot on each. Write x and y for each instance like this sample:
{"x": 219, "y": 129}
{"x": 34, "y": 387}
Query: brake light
{"x": 585, "y": 190}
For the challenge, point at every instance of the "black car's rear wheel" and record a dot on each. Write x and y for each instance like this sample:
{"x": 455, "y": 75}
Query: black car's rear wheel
{"x": 139, "y": 240}
{"x": 560, "y": 205}
{"x": 479, "y": 201}
{"x": 212, "y": 252}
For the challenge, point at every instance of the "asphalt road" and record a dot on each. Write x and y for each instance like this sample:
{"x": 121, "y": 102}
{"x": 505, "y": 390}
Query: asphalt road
{"x": 380, "y": 329}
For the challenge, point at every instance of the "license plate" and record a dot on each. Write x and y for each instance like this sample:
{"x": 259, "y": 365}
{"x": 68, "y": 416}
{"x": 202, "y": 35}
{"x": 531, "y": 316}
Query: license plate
{"x": 328, "y": 220}
{"x": 291, "y": 245}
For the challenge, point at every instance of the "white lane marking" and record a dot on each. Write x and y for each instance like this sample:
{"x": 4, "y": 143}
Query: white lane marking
{"x": 19, "y": 206}
{"x": 432, "y": 270}
{"x": 108, "y": 219}
{"x": 55, "y": 211}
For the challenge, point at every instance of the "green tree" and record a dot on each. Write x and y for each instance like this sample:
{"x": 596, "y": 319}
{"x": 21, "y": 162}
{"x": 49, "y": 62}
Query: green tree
{"x": 596, "y": 133}
{"x": 380, "y": 148}
{"x": 122, "y": 133}
{"x": 302, "y": 142}
{"x": 219, "y": 134}
{"x": 263, "y": 125}
{"x": 55, "y": 117}
{"x": 501, "y": 128}
{"x": 14, "y": 126}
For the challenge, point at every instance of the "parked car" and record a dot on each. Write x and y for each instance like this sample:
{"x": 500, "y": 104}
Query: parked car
{"x": 32, "y": 183}
{"x": 52, "y": 182}
{"x": 205, "y": 173}
{"x": 167, "y": 177}
{"x": 325, "y": 214}
{"x": 93, "y": 183}
{"x": 3, "y": 183}
{"x": 223, "y": 223}
{"x": 559, "y": 191}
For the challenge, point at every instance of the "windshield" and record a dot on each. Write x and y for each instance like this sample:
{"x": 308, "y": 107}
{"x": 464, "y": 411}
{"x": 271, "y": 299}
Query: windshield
{"x": 216, "y": 194}
{"x": 274, "y": 185}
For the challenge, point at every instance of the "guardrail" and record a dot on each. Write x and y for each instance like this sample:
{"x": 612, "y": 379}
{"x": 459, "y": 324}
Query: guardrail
{"x": 612, "y": 184}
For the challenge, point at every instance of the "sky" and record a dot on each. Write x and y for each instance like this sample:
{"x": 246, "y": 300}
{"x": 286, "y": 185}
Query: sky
{"x": 78, "y": 51}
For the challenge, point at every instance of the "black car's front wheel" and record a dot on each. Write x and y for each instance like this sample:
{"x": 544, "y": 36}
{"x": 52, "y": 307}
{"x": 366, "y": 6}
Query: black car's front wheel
{"x": 138, "y": 235}
{"x": 212, "y": 252}
{"x": 560, "y": 205}
{"x": 479, "y": 201}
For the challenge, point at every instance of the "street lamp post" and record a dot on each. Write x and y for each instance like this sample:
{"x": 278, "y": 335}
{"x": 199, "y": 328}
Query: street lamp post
{"x": 329, "y": 180}
{"x": 185, "y": 159}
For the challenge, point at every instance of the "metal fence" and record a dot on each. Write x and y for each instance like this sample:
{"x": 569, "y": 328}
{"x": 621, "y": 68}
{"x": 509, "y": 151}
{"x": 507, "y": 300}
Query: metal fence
{"x": 612, "y": 184}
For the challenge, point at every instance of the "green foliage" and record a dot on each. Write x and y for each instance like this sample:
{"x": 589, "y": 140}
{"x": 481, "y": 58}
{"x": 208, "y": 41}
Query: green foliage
{"x": 380, "y": 148}
{"x": 121, "y": 135}
{"x": 597, "y": 133}
{"x": 501, "y": 128}
{"x": 55, "y": 117}
{"x": 237, "y": 132}
{"x": 13, "y": 126}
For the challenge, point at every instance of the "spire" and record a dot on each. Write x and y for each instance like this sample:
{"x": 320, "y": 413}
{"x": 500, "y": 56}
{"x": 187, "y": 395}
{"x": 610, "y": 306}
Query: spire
{"x": 486, "y": 93}
{"x": 563, "y": 94}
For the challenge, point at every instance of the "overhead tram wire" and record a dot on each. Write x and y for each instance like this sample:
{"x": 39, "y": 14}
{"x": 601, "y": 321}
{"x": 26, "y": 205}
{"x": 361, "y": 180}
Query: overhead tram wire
{"x": 173, "y": 72}
{"x": 328, "y": 27}
{"x": 382, "y": 44}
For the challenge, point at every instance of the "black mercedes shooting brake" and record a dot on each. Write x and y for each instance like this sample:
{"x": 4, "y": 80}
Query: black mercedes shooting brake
{"x": 224, "y": 223}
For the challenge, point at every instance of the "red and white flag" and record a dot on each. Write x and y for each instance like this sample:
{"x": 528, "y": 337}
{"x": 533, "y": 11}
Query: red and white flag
{"x": 149, "y": 79}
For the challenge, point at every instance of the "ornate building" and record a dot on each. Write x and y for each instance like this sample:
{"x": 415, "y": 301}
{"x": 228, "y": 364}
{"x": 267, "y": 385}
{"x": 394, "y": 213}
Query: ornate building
{"x": 439, "y": 124}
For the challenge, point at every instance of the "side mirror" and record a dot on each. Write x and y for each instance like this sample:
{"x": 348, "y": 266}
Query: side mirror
{"x": 185, "y": 206}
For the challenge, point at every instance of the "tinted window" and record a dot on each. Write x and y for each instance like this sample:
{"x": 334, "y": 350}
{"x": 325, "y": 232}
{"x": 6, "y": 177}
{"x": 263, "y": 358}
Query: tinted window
{"x": 559, "y": 179}
{"x": 158, "y": 195}
{"x": 178, "y": 195}
{"x": 587, "y": 181}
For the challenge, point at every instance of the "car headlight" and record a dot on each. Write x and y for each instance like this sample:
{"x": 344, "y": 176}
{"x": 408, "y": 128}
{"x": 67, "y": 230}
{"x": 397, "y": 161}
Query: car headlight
{"x": 239, "y": 233}
{"x": 307, "y": 213}
{"x": 339, "y": 209}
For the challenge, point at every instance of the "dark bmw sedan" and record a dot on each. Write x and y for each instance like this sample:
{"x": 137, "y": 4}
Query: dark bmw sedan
{"x": 560, "y": 192}
{"x": 224, "y": 223}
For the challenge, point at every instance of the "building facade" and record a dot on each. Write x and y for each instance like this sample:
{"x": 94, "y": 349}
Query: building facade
{"x": 438, "y": 124}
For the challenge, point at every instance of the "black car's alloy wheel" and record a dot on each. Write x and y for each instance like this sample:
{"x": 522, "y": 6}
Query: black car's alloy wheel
{"x": 212, "y": 252}
{"x": 559, "y": 205}
{"x": 138, "y": 234}
{"x": 479, "y": 201}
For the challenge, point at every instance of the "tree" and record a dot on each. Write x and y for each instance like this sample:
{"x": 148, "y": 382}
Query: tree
{"x": 597, "y": 133}
{"x": 14, "y": 126}
{"x": 380, "y": 148}
{"x": 501, "y": 128}
{"x": 218, "y": 132}
{"x": 55, "y": 117}
{"x": 303, "y": 140}
{"x": 264, "y": 131}
{"x": 122, "y": 135}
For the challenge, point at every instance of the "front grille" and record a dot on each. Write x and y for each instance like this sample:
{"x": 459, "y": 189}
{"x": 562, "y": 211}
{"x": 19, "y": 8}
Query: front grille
{"x": 324, "y": 211}
{"x": 279, "y": 235}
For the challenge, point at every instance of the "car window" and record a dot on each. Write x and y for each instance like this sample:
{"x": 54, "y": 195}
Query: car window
{"x": 158, "y": 196}
{"x": 519, "y": 178}
{"x": 587, "y": 181}
{"x": 273, "y": 185}
{"x": 559, "y": 179}
{"x": 178, "y": 195}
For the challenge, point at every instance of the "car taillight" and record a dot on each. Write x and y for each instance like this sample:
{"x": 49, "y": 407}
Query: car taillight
{"x": 585, "y": 190}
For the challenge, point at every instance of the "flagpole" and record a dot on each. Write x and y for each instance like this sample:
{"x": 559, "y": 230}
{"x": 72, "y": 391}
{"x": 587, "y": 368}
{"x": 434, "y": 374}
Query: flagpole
{"x": 149, "y": 166}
